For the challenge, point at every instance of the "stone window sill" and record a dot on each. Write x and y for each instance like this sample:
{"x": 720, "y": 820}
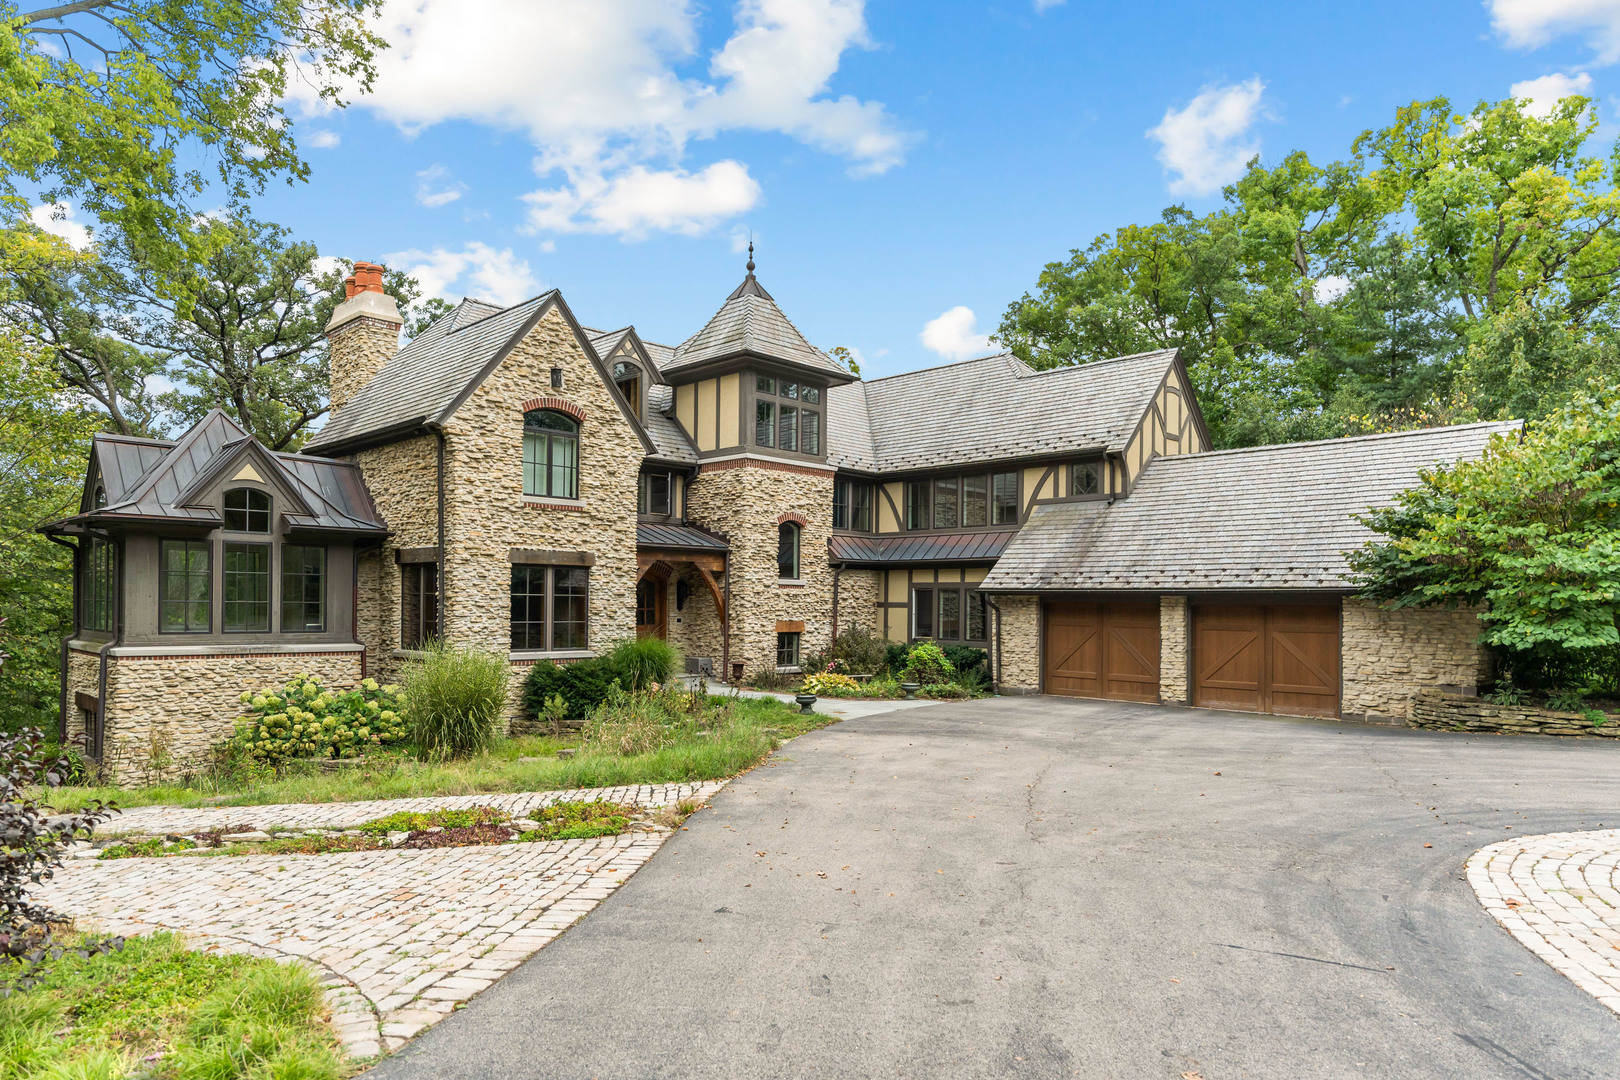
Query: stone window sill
{"x": 790, "y": 583}
{"x": 533, "y": 502}
{"x": 555, "y": 654}
{"x": 790, "y": 670}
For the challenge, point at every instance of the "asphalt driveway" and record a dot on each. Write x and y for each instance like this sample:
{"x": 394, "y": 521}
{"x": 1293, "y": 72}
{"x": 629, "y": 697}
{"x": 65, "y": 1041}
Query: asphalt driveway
{"x": 1035, "y": 887}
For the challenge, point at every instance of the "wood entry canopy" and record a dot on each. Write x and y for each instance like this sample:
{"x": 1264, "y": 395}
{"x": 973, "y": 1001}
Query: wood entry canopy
{"x": 707, "y": 564}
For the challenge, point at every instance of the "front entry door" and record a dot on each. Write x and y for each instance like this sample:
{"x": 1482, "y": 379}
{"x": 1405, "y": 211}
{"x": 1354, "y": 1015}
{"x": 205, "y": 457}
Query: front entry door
{"x": 652, "y": 606}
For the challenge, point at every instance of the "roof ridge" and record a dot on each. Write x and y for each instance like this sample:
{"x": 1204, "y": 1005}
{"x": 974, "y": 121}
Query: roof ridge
{"x": 1340, "y": 440}
{"x": 492, "y": 314}
{"x": 940, "y": 367}
{"x": 1033, "y": 371}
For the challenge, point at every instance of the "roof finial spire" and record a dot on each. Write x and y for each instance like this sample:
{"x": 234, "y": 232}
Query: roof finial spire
{"x": 750, "y": 255}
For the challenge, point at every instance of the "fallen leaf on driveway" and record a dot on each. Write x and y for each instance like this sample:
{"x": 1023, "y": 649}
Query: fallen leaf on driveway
{"x": 1191, "y": 1076}
{"x": 1428, "y": 845}
{"x": 1175, "y": 980}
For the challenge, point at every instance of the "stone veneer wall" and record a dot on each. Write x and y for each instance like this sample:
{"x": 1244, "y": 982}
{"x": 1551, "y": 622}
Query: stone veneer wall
{"x": 744, "y": 503}
{"x": 83, "y": 677}
{"x": 1175, "y": 626}
{"x": 487, "y": 513}
{"x": 164, "y": 713}
{"x": 1440, "y": 711}
{"x": 402, "y": 478}
{"x": 1388, "y": 655}
{"x": 356, "y": 351}
{"x": 369, "y": 611}
{"x": 1020, "y": 643}
{"x": 694, "y": 630}
{"x": 858, "y": 593}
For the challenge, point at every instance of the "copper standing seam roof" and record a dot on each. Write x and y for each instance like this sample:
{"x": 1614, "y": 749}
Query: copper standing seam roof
{"x": 983, "y": 546}
{"x": 678, "y": 536}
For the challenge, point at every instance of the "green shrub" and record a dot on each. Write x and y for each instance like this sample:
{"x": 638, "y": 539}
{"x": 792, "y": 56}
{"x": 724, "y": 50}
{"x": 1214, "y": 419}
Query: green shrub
{"x": 824, "y": 683}
{"x": 640, "y": 723}
{"x": 305, "y": 719}
{"x": 964, "y": 658}
{"x": 640, "y": 662}
{"x": 454, "y": 697}
{"x": 926, "y": 665}
{"x": 582, "y": 684}
{"x": 862, "y": 652}
{"x": 894, "y": 657}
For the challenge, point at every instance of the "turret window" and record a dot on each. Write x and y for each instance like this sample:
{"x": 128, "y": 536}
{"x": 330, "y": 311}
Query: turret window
{"x": 550, "y": 454}
{"x": 787, "y": 551}
{"x": 627, "y": 377}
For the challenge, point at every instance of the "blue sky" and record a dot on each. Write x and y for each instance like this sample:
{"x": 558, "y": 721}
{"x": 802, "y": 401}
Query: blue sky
{"x": 900, "y": 164}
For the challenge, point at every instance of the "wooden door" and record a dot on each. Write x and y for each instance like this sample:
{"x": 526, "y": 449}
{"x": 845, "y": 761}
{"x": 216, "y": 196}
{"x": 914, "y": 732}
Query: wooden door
{"x": 1280, "y": 658}
{"x": 652, "y": 607}
{"x": 1103, "y": 651}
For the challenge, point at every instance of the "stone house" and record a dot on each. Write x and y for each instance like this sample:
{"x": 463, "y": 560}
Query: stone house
{"x": 513, "y": 479}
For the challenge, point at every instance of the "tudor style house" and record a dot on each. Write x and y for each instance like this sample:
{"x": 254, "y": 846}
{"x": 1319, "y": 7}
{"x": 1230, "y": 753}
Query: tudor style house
{"x": 515, "y": 480}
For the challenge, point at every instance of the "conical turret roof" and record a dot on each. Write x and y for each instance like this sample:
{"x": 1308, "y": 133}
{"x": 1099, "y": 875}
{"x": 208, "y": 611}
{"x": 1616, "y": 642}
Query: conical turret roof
{"x": 749, "y": 324}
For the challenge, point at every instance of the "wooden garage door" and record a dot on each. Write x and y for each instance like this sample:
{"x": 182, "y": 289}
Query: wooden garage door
{"x": 1278, "y": 659}
{"x": 1103, "y": 651}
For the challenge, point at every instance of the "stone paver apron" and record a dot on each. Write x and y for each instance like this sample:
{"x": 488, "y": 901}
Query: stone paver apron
{"x": 1559, "y": 894}
{"x": 401, "y": 936}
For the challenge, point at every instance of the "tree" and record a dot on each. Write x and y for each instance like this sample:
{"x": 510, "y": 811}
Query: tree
{"x": 1530, "y": 359}
{"x": 105, "y": 102}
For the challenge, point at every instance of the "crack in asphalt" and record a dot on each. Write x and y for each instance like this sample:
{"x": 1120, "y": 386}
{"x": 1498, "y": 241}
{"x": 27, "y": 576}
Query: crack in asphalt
{"x": 1312, "y": 959}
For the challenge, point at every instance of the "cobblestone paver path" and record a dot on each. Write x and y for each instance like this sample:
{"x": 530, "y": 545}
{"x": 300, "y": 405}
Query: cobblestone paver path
{"x": 401, "y": 936}
{"x": 1559, "y": 894}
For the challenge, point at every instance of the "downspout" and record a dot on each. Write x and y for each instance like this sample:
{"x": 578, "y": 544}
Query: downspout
{"x": 439, "y": 434}
{"x": 996, "y": 679}
{"x": 62, "y": 710}
{"x": 837, "y": 573}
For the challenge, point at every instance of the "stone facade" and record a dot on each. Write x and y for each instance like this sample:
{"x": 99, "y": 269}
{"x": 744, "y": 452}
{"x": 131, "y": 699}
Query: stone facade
{"x": 403, "y": 479}
{"x": 1175, "y": 627}
{"x": 165, "y": 713}
{"x": 1020, "y": 630}
{"x": 745, "y": 504}
{"x": 858, "y": 593}
{"x": 1440, "y": 711}
{"x": 83, "y": 677}
{"x": 695, "y": 627}
{"x": 1388, "y": 655}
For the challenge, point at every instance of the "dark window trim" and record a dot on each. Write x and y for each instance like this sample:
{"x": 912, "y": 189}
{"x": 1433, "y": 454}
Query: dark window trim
{"x": 928, "y": 485}
{"x": 965, "y": 589}
{"x": 549, "y": 438}
{"x": 249, "y": 511}
{"x": 281, "y": 600}
{"x": 789, "y": 648}
{"x": 98, "y": 585}
{"x": 783, "y": 530}
{"x": 269, "y": 583}
{"x": 775, "y": 397}
{"x": 548, "y": 599}
{"x": 208, "y": 547}
{"x": 425, "y": 573}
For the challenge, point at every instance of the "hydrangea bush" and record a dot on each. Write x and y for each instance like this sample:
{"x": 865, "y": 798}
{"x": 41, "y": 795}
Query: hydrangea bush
{"x": 306, "y": 719}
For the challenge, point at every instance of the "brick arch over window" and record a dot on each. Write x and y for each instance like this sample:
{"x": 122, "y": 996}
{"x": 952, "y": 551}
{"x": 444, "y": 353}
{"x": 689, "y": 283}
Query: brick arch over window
{"x": 794, "y": 517}
{"x": 555, "y": 405}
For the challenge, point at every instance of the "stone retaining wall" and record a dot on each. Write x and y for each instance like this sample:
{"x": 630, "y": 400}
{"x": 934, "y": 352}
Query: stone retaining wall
{"x": 1389, "y": 655}
{"x": 1437, "y": 710}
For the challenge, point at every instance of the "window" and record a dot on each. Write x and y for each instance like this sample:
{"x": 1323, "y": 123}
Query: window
{"x": 185, "y": 581}
{"x": 100, "y": 499}
{"x": 550, "y": 454}
{"x": 655, "y": 494}
{"x": 764, "y": 384}
{"x": 852, "y": 505}
{"x": 247, "y": 510}
{"x": 787, "y": 551}
{"x": 549, "y": 611}
{"x": 96, "y": 585}
{"x": 787, "y": 649}
{"x": 975, "y": 501}
{"x": 1004, "y": 499}
{"x": 419, "y": 604}
{"x": 810, "y": 395}
{"x": 303, "y": 589}
{"x": 790, "y": 390}
{"x": 949, "y": 613}
{"x": 647, "y": 601}
{"x": 978, "y": 610}
{"x": 1085, "y": 478}
{"x": 922, "y": 613}
{"x": 627, "y": 377}
{"x": 917, "y": 504}
{"x": 811, "y": 422}
{"x": 945, "y": 506}
{"x": 247, "y": 588}
{"x": 841, "y": 504}
{"x": 764, "y": 423}
{"x": 789, "y": 439}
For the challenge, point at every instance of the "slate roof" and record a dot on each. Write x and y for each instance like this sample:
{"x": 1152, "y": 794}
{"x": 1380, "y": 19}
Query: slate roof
{"x": 678, "y": 536}
{"x": 1270, "y": 517}
{"x": 749, "y": 322}
{"x": 918, "y": 547}
{"x": 990, "y": 409}
{"x": 151, "y": 479}
{"x": 670, "y": 441}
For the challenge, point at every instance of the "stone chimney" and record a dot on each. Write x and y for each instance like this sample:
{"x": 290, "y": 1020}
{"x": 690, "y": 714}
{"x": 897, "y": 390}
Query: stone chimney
{"x": 363, "y": 334}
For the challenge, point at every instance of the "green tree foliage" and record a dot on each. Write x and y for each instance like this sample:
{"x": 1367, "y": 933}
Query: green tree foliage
{"x": 120, "y": 105}
{"x": 1531, "y": 532}
{"x": 42, "y": 460}
{"x": 1316, "y": 295}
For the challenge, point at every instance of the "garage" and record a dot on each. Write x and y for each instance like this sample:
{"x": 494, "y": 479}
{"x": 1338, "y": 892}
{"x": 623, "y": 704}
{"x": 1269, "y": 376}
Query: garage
{"x": 1103, "y": 651}
{"x": 1278, "y": 658}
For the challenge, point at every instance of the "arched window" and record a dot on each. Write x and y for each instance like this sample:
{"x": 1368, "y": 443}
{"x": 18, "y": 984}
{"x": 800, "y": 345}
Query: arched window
{"x": 550, "y": 454}
{"x": 247, "y": 510}
{"x": 627, "y": 377}
{"x": 787, "y": 551}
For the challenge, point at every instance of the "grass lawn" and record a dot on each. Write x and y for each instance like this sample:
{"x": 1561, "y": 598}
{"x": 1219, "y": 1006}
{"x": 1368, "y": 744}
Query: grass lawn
{"x": 158, "y": 1010}
{"x": 755, "y": 728}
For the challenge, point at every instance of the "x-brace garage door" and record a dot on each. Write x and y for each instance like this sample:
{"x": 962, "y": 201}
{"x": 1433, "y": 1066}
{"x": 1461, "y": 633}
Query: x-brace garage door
{"x": 1280, "y": 658}
{"x": 1103, "y": 651}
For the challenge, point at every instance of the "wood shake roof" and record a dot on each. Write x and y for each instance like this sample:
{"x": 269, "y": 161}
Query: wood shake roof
{"x": 1267, "y": 517}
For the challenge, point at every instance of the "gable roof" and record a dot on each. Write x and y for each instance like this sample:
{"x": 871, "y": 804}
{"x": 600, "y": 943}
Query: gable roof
{"x": 990, "y": 409}
{"x": 156, "y": 480}
{"x": 1266, "y": 517}
{"x": 669, "y": 440}
{"x": 426, "y": 381}
{"x": 750, "y": 324}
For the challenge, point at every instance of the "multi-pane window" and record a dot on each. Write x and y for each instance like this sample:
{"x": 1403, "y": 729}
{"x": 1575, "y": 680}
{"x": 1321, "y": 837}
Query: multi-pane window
{"x": 627, "y": 377}
{"x": 549, "y": 610}
{"x": 184, "y": 582}
{"x": 852, "y": 505}
{"x": 811, "y": 426}
{"x": 972, "y": 501}
{"x": 303, "y": 589}
{"x": 550, "y": 454}
{"x": 787, "y": 551}
{"x": 96, "y": 585}
{"x": 419, "y": 604}
{"x": 654, "y": 494}
{"x": 917, "y": 504}
{"x": 946, "y": 504}
{"x": 247, "y": 510}
{"x": 1085, "y": 478}
{"x": 764, "y": 423}
{"x": 795, "y": 428}
{"x": 975, "y": 501}
{"x": 787, "y": 649}
{"x": 789, "y": 427}
{"x": 949, "y": 613}
{"x": 247, "y": 588}
{"x": 1004, "y": 499}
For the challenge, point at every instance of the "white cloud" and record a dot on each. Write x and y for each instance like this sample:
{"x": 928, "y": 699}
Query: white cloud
{"x": 1546, "y": 92}
{"x": 1530, "y": 24}
{"x": 62, "y": 219}
{"x": 952, "y": 335}
{"x": 638, "y": 201}
{"x": 325, "y": 140}
{"x": 432, "y": 190}
{"x": 1204, "y": 146}
{"x": 1330, "y": 288}
{"x": 476, "y": 270}
{"x": 599, "y": 87}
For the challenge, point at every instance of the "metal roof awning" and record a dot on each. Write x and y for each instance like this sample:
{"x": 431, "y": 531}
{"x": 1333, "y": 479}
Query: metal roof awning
{"x": 981, "y": 546}
{"x": 679, "y": 538}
